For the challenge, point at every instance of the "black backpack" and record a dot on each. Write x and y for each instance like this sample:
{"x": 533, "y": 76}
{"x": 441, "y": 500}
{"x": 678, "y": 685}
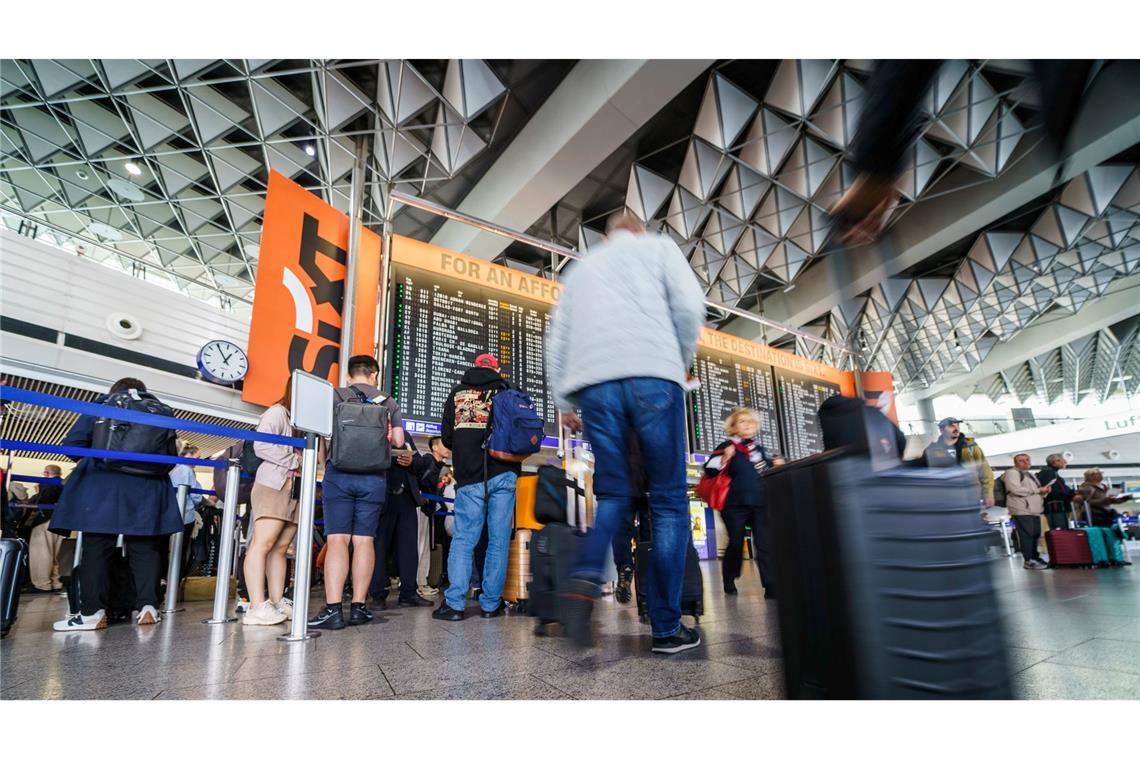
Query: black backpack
{"x": 249, "y": 460}
{"x": 135, "y": 438}
{"x": 360, "y": 433}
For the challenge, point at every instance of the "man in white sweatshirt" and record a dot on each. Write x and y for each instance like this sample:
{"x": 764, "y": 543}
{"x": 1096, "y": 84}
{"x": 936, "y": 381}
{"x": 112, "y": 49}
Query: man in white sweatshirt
{"x": 620, "y": 344}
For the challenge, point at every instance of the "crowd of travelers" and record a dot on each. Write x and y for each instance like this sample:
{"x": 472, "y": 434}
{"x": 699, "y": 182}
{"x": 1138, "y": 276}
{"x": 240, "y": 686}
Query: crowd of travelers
{"x": 617, "y": 352}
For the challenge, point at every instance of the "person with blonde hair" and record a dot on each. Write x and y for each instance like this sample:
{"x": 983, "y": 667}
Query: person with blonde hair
{"x": 744, "y": 458}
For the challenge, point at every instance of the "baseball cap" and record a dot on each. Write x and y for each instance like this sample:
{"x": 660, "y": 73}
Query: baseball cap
{"x": 948, "y": 421}
{"x": 486, "y": 360}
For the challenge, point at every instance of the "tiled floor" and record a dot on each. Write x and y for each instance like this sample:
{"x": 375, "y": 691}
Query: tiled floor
{"x": 1073, "y": 634}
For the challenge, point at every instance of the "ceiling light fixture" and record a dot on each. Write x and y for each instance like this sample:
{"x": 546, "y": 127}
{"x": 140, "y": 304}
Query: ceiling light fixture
{"x": 81, "y": 174}
{"x": 310, "y": 150}
{"x": 132, "y": 168}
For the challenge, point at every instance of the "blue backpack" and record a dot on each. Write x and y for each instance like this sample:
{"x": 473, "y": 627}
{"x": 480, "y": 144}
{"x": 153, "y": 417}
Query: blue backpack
{"x": 516, "y": 428}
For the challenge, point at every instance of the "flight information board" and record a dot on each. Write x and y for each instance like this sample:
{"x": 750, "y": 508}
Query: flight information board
{"x": 799, "y": 398}
{"x": 728, "y": 382}
{"x": 784, "y": 388}
{"x": 448, "y": 309}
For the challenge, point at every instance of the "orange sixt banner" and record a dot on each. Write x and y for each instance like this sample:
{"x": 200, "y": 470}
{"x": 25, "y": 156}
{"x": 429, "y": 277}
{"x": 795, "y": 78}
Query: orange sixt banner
{"x": 299, "y": 297}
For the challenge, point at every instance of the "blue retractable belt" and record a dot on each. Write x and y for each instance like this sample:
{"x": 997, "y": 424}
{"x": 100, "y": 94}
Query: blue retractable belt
{"x": 19, "y": 395}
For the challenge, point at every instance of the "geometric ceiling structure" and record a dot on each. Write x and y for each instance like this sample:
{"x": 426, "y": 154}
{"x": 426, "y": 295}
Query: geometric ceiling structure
{"x": 1085, "y": 238}
{"x": 1099, "y": 366}
{"x": 745, "y": 189}
{"x": 160, "y": 166}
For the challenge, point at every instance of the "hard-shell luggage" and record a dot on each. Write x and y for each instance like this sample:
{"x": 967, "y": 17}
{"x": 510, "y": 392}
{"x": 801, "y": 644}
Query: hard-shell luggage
{"x": 1068, "y": 548}
{"x": 885, "y": 588}
{"x": 13, "y": 566}
{"x": 515, "y": 589}
{"x": 554, "y": 549}
{"x": 692, "y": 588}
{"x": 1104, "y": 546}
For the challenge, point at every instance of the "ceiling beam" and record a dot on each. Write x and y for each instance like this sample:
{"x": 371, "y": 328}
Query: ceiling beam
{"x": 1120, "y": 301}
{"x": 1109, "y": 123}
{"x": 596, "y": 108}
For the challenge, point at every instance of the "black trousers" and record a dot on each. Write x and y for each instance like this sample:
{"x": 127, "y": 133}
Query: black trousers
{"x": 398, "y": 533}
{"x": 144, "y": 557}
{"x": 443, "y": 541}
{"x": 736, "y": 519}
{"x": 1028, "y": 532}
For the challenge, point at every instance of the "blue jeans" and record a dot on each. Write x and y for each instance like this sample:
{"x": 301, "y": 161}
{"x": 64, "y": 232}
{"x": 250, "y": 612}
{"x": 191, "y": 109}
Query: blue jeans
{"x": 470, "y": 514}
{"x": 654, "y": 410}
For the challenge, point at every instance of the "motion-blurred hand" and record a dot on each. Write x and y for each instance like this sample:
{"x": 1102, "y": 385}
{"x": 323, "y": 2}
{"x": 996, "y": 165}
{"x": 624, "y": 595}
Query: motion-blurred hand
{"x": 864, "y": 209}
{"x": 988, "y": 501}
{"x": 572, "y": 420}
{"x": 404, "y": 459}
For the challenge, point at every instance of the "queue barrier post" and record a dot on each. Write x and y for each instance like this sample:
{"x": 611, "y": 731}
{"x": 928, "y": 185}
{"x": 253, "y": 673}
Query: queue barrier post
{"x": 226, "y": 547}
{"x": 174, "y": 566}
{"x": 302, "y": 578}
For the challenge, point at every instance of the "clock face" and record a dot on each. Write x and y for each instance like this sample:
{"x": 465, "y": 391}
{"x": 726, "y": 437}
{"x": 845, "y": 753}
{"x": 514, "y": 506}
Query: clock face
{"x": 222, "y": 362}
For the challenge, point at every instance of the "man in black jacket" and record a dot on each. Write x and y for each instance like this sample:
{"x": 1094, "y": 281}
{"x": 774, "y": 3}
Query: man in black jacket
{"x": 484, "y": 491}
{"x": 1059, "y": 500}
{"x": 399, "y": 520}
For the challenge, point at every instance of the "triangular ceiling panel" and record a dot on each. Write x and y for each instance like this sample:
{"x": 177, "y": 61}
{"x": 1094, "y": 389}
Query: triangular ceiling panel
{"x": 647, "y": 191}
{"x": 401, "y": 93}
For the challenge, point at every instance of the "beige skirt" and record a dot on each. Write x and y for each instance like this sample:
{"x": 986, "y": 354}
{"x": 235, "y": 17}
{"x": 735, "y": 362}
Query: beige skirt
{"x": 277, "y": 504}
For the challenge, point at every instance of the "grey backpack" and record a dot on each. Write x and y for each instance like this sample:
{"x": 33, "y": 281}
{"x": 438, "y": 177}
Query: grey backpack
{"x": 360, "y": 433}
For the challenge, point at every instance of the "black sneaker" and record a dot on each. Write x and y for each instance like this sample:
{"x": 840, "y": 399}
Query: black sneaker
{"x": 330, "y": 618}
{"x": 578, "y": 607}
{"x": 414, "y": 601}
{"x": 446, "y": 613}
{"x": 623, "y": 593}
{"x": 380, "y": 604}
{"x": 684, "y": 638}
{"x": 497, "y": 612}
{"x": 360, "y": 614}
{"x": 730, "y": 589}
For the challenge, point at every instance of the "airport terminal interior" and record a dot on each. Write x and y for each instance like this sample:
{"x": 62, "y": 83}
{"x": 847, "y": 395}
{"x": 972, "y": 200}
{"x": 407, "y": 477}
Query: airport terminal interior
{"x": 860, "y": 337}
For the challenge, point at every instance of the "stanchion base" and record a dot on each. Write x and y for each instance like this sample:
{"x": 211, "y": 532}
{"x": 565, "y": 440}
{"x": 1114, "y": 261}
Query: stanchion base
{"x": 211, "y": 621}
{"x": 176, "y": 609}
{"x": 308, "y": 635}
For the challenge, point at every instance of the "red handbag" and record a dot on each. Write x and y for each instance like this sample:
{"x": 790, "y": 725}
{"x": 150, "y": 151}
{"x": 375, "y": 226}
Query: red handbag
{"x": 713, "y": 489}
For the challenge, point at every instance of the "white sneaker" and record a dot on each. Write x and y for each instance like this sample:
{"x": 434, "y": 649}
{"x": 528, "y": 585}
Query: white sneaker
{"x": 285, "y": 607}
{"x": 263, "y": 614}
{"x": 148, "y": 615}
{"x": 96, "y": 622}
{"x": 428, "y": 591}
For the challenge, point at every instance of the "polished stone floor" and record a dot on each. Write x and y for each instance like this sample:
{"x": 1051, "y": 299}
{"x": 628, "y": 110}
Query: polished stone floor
{"x": 1074, "y": 634}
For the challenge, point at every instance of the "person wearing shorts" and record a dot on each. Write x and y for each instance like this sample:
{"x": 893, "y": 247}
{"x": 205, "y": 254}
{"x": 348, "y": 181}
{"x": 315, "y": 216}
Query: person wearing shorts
{"x": 274, "y": 518}
{"x": 352, "y": 503}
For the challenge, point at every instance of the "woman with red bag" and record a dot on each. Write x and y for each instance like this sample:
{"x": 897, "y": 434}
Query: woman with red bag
{"x": 743, "y": 458}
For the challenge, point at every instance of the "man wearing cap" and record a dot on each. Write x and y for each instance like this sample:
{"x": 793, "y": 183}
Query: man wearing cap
{"x": 484, "y": 491}
{"x": 952, "y": 448}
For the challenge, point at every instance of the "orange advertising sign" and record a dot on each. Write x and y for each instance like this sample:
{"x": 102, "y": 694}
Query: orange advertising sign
{"x": 299, "y": 294}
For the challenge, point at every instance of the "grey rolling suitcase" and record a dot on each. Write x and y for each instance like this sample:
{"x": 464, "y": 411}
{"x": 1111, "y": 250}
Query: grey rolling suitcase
{"x": 885, "y": 590}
